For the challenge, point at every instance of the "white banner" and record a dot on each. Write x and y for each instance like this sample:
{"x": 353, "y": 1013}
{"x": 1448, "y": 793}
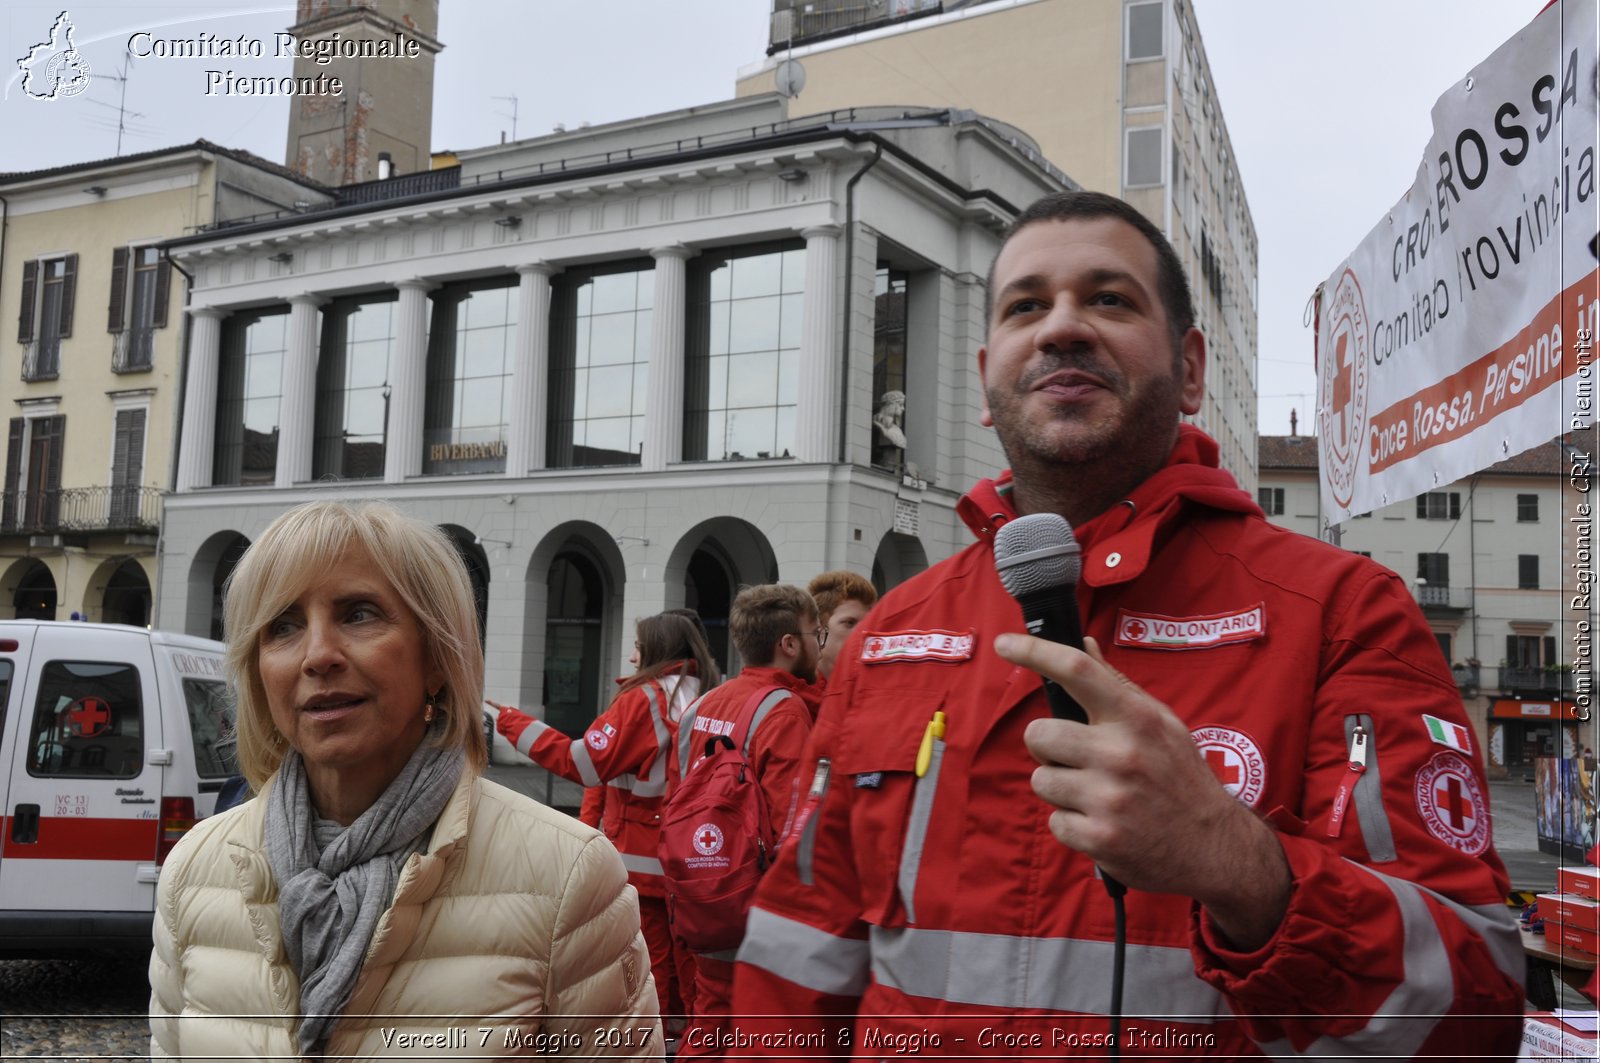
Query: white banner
{"x": 1461, "y": 330}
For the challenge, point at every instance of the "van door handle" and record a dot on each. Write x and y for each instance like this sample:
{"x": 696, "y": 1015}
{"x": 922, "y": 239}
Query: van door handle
{"x": 25, "y": 825}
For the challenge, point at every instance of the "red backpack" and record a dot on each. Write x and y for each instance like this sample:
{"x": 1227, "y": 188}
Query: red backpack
{"x": 716, "y": 841}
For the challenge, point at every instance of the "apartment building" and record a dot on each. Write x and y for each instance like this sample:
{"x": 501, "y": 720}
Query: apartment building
{"x": 91, "y": 382}
{"x": 1488, "y": 559}
{"x": 1117, "y": 93}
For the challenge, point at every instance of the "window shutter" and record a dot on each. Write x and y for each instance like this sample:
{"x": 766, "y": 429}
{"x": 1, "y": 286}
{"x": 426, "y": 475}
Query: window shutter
{"x": 158, "y": 319}
{"x": 1549, "y": 650}
{"x": 13, "y": 472}
{"x": 56, "y": 427}
{"x": 69, "y": 292}
{"x": 1455, "y": 506}
{"x": 30, "y": 295}
{"x": 1511, "y": 651}
{"x": 127, "y": 455}
{"x": 116, "y": 314}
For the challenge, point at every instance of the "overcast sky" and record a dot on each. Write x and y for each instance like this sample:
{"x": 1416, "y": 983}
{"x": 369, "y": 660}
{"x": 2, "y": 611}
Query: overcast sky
{"x": 1327, "y": 104}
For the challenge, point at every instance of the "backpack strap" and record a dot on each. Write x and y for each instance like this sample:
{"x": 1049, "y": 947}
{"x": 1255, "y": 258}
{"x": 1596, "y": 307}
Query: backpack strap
{"x": 755, "y": 710}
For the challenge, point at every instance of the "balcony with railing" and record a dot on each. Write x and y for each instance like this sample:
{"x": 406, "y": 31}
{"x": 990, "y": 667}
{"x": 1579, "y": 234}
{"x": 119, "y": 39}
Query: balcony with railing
{"x": 1436, "y": 596}
{"x": 1466, "y": 676}
{"x": 80, "y": 509}
{"x": 1549, "y": 681}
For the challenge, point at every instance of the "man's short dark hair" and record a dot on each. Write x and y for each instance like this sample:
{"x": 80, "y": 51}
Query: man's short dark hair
{"x": 762, "y": 615}
{"x": 1171, "y": 283}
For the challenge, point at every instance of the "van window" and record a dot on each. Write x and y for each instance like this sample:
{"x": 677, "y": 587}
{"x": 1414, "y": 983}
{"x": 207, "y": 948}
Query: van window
{"x": 5, "y": 692}
{"x": 211, "y": 720}
{"x": 88, "y": 722}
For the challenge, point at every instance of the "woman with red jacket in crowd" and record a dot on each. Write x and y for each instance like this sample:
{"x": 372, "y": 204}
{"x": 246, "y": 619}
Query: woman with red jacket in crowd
{"x": 624, "y": 753}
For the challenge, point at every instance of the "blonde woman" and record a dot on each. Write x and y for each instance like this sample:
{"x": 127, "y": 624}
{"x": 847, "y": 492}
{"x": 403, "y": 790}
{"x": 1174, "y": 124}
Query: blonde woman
{"x": 378, "y": 897}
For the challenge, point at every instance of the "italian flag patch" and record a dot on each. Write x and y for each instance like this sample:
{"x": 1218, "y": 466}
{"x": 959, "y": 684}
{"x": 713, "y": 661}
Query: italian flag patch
{"x": 1449, "y": 734}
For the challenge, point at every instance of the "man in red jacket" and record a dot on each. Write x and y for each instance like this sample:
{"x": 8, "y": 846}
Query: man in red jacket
{"x": 1308, "y": 865}
{"x": 775, "y": 629}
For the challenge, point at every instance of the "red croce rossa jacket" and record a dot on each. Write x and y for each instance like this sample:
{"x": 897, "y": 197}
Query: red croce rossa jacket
{"x": 942, "y": 913}
{"x": 626, "y": 749}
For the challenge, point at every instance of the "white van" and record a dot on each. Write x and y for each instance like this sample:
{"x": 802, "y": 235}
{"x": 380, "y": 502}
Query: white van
{"x": 113, "y": 741}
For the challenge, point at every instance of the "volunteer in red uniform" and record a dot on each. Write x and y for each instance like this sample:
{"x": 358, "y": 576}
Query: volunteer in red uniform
{"x": 1308, "y": 860}
{"x": 843, "y": 598}
{"x": 627, "y": 750}
{"x": 775, "y": 629}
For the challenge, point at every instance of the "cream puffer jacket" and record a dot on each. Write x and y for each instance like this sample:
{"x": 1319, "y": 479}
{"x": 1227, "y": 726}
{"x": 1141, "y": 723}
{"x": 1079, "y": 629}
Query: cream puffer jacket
{"x": 515, "y": 933}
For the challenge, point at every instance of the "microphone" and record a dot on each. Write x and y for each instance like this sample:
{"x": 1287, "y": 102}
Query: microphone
{"x": 1039, "y": 563}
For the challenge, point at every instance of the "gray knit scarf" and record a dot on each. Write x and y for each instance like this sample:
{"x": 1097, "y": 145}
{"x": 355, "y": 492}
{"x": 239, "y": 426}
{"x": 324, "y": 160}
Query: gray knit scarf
{"x": 331, "y": 892}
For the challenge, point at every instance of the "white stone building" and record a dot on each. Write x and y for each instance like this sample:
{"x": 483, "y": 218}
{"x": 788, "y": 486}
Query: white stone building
{"x": 628, "y": 367}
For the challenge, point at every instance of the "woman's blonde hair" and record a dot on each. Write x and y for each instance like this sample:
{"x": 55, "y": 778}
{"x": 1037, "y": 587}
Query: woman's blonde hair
{"x": 303, "y": 547}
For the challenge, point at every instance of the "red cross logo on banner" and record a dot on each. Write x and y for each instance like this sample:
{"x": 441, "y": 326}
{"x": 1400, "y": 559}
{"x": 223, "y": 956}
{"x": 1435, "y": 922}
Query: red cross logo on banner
{"x": 1452, "y": 804}
{"x": 88, "y": 717}
{"x": 1343, "y": 387}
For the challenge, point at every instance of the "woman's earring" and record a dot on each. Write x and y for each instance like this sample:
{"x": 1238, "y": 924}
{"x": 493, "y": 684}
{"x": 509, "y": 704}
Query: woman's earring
{"x": 427, "y": 711}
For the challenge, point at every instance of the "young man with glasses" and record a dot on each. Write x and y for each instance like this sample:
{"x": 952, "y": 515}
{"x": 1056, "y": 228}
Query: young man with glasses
{"x": 767, "y": 710}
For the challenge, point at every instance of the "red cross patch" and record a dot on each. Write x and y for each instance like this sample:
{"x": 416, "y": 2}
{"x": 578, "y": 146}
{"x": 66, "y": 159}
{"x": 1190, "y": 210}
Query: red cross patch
{"x": 1452, "y": 804}
{"x": 708, "y": 839}
{"x": 88, "y": 717}
{"x": 1235, "y": 759}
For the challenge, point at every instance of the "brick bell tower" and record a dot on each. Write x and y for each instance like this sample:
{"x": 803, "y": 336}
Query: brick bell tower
{"x": 386, "y": 107}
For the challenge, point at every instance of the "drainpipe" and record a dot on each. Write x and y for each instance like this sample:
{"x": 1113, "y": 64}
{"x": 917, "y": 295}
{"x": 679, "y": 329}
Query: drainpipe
{"x": 849, "y": 271}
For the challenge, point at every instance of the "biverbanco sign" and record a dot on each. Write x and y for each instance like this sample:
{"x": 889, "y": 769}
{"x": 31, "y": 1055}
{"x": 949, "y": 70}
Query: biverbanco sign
{"x": 1460, "y": 331}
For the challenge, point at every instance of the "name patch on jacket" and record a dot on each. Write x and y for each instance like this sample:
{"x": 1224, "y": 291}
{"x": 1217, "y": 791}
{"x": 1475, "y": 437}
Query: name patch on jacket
{"x": 1152, "y": 631}
{"x": 882, "y": 647}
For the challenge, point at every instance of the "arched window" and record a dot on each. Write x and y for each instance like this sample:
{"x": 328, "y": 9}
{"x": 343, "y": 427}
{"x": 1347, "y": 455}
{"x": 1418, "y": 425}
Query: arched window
{"x": 36, "y": 594}
{"x": 127, "y": 597}
{"x": 708, "y": 590}
{"x": 572, "y": 643}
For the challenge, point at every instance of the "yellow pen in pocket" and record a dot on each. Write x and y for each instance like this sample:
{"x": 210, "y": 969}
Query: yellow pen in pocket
{"x": 934, "y": 731}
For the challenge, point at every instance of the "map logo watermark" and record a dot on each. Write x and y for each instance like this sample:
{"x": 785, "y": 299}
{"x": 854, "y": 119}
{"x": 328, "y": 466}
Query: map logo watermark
{"x": 54, "y": 69}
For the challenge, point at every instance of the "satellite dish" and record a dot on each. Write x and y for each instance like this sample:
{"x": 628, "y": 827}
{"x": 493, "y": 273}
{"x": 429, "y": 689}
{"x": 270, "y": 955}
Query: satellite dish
{"x": 791, "y": 78}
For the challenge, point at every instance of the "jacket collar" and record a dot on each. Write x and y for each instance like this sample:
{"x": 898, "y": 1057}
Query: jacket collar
{"x": 810, "y": 694}
{"x": 1117, "y": 544}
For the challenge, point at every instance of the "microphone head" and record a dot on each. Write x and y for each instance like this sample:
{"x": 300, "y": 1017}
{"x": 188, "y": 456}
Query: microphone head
{"x": 1036, "y": 552}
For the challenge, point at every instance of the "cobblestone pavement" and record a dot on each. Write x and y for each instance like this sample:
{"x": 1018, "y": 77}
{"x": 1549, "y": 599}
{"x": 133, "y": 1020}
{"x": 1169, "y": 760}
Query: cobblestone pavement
{"x": 74, "y": 1009}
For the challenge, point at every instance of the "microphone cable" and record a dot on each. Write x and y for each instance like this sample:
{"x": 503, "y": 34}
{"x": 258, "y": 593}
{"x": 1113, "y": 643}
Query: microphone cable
{"x": 1119, "y": 950}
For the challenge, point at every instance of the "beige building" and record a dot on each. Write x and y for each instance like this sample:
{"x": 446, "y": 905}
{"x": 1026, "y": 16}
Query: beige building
{"x": 626, "y": 368}
{"x": 1489, "y": 560}
{"x": 1117, "y": 93}
{"x": 92, "y": 368}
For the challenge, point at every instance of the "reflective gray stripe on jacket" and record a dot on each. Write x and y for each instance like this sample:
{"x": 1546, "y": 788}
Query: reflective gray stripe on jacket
{"x": 1368, "y": 795}
{"x": 1043, "y": 973}
{"x": 528, "y": 737}
{"x": 641, "y": 865}
{"x": 654, "y": 783}
{"x": 1407, "y": 1018}
{"x": 804, "y": 955}
{"x": 917, "y": 829}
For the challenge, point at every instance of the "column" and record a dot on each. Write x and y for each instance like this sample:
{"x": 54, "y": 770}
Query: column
{"x": 663, "y": 412}
{"x": 525, "y": 433}
{"x": 402, "y": 455}
{"x": 299, "y": 399}
{"x": 817, "y": 396}
{"x": 199, "y": 436}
